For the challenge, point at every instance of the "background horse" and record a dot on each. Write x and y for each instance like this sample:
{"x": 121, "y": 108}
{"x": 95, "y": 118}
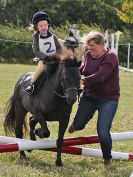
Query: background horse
{"x": 52, "y": 103}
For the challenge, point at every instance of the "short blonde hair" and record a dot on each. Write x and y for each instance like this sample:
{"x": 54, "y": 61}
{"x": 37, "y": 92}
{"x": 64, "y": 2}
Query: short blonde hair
{"x": 95, "y": 36}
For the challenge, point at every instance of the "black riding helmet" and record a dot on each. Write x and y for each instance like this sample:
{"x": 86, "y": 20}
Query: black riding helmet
{"x": 38, "y": 16}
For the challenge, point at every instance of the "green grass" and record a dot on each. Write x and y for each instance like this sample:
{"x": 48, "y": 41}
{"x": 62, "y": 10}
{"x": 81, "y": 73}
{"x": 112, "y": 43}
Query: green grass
{"x": 42, "y": 163}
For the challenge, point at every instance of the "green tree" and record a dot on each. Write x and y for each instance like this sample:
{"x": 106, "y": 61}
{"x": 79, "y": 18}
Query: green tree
{"x": 126, "y": 11}
{"x": 103, "y": 13}
{"x": 100, "y": 12}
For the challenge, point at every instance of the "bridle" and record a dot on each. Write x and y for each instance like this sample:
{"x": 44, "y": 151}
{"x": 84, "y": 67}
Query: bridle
{"x": 54, "y": 91}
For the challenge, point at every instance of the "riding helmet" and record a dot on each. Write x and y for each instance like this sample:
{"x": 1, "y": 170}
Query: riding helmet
{"x": 73, "y": 22}
{"x": 38, "y": 16}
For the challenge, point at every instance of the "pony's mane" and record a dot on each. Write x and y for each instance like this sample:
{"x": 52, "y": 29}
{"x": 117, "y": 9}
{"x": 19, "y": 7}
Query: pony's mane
{"x": 67, "y": 61}
{"x": 70, "y": 62}
{"x": 52, "y": 64}
{"x": 54, "y": 59}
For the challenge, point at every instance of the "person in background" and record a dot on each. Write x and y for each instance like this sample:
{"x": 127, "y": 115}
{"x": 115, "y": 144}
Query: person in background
{"x": 45, "y": 44}
{"x": 73, "y": 35}
{"x": 72, "y": 42}
{"x": 101, "y": 91}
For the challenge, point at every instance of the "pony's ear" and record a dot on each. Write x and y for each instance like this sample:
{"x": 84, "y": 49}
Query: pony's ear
{"x": 79, "y": 63}
{"x": 53, "y": 59}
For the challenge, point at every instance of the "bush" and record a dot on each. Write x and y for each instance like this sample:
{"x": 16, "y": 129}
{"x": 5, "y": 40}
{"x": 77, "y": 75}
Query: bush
{"x": 15, "y": 52}
{"x": 15, "y": 43}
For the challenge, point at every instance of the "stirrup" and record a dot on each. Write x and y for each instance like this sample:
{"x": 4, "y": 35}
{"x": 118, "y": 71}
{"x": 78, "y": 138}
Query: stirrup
{"x": 29, "y": 90}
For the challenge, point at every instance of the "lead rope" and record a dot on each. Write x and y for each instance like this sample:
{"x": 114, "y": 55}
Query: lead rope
{"x": 80, "y": 90}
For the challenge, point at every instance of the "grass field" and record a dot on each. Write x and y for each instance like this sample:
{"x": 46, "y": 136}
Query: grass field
{"x": 43, "y": 163}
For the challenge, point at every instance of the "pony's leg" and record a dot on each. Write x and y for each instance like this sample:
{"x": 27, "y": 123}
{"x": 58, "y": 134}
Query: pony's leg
{"x": 20, "y": 113}
{"x": 32, "y": 123}
{"x": 62, "y": 128}
{"x": 42, "y": 132}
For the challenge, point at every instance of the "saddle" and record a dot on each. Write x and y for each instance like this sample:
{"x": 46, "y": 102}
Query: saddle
{"x": 51, "y": 67}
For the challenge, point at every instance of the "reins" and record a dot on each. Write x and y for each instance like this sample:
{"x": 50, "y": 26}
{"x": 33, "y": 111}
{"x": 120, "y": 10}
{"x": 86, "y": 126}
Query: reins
{"x": 54, "y": 91}
{"x": 61, "y": 96}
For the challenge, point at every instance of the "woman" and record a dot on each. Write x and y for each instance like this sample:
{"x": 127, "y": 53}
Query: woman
{"x": 45, "y": 44}
{"x": 101, "y": 91}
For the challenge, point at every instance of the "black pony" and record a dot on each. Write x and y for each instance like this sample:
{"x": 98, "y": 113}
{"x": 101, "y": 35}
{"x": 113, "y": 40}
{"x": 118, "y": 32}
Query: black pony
{"x": 53, "y": 102}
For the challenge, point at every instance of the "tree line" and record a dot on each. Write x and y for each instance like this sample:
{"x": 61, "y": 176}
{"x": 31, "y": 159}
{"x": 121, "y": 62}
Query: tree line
{"x": 89, "y": 15}
{"x": 101, "y": 12}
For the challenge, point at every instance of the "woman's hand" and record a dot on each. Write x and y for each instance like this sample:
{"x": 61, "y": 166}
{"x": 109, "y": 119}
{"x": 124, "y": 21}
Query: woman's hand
{"x": 82, "y": 82}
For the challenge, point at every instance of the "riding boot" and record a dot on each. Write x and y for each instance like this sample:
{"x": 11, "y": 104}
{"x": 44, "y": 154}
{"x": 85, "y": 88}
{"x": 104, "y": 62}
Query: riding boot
{"x": 29, "y": 89}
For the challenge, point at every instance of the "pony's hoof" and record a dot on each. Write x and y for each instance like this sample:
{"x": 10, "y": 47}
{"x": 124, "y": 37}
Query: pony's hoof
{"x": 29, "y": 150}
{"x": 42, "y": 133}
{"x": 24, "y": 158}
{"x": 23, "y": 155}
{"x": 46, "y": 135}
{"x": 58, "y": 163}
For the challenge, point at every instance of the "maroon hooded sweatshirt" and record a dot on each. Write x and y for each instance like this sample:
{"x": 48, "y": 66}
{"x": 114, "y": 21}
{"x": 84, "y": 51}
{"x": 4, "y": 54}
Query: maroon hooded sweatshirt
{"x": 101, "y": 76}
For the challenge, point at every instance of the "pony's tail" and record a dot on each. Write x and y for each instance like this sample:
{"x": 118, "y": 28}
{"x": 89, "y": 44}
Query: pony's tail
{"x": 9, "y": 122}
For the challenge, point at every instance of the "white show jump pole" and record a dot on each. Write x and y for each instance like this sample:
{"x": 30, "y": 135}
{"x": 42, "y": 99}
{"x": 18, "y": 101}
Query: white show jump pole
{"x": 10, "y": 144}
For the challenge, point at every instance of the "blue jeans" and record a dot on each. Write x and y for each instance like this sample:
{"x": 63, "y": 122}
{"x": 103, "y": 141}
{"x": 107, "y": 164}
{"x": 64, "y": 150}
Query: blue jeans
{"x": 106, "y": 111}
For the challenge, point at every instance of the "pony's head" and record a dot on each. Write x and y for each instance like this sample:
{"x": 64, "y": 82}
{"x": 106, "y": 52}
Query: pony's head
{"x": 71, "y": 78}
{"x": 66, "y": 68}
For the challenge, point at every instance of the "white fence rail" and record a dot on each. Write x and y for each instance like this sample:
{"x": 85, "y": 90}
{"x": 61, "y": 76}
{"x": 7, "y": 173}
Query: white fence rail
{"x": 128, "y": 54}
